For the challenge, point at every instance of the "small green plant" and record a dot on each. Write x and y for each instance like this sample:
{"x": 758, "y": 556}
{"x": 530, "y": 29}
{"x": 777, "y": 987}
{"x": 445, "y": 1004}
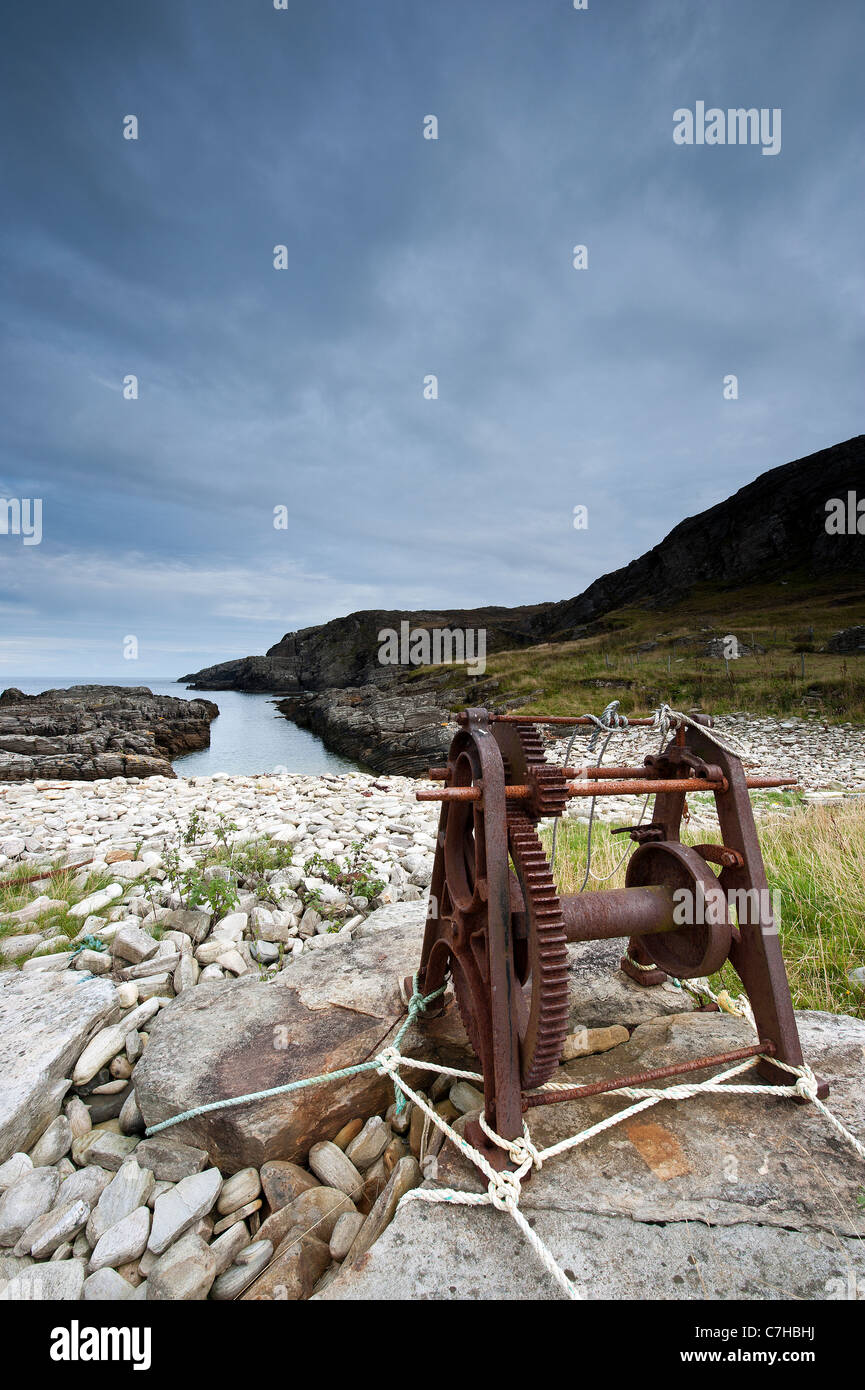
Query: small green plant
{"x": 194, "y": 828}
{"x": 354, "y": 876}
{"x": 220, "y": 894}
{"x": 224, "y": 829}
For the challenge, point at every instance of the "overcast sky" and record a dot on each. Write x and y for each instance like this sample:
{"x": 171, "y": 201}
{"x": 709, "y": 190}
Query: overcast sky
{"x": 407, "y": 257}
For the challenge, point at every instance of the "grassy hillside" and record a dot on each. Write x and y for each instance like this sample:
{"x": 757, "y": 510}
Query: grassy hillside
{"x": 641, "y": 656}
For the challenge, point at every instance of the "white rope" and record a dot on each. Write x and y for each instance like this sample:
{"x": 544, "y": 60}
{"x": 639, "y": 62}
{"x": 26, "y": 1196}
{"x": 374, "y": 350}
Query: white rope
{"x": 665, "y": 719}
{"x": 504, "y": 1188}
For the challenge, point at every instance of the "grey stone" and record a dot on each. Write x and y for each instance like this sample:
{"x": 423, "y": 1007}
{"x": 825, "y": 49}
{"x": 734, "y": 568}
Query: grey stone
{"x": 109, "y": 1041}
{"x": 11, "y": 1265}
{"x": 86, "y": 1183}
{"x": 122, "y": 1242}
{"x": 370, "y": 1144}
{"x": 128, "y": 1190}
{"x": 50, "y": 1282}
{"x": 241, "y": 1275}
{"x": 44, "y": 1235}
{"x": 55, "y": 1142}
{"x": 184, "y": 1273}
{"x": 31, "y": 1196}
{"x": 104, "y": 1147}
{"x": 159, "y": 1187}
{"x": 107, "y": 1286}
{"x": 282, "y": 1181}
{"x": 344, "y": 1232}
{"x": 170, "y": 1159}
{"x": 14, "y": 948}
{"x": 266, "y": 953}
{"x": 238, "y": 1190}
{"x": 160, "y": 986}
{"x": 334, "y": 1169}
{"x": 97, "y": 962}
{"x": 55, "y": 961}
{"x": 228, "y": 1246}
{"x": 193, "y": 924}
{"x": 78, "y": 1116}
{"x": 465, "y": 1097}
{"x": 238, "y": 1215}
{"x": 14, "y": 1168}
{"x": 45, "y": 1020}
{"x": 177, "y": 1210}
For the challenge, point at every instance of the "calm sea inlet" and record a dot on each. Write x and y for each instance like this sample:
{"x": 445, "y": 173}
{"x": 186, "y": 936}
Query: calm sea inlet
{"x": 249, "y": 736}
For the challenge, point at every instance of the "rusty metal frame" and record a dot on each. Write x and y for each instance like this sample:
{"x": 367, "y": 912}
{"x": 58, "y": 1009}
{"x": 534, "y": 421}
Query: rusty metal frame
{"x": 497, "y": 785}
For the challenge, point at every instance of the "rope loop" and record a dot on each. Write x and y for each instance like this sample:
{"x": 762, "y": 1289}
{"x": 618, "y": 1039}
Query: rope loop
{"x": 521, "y": 1151}
{"x": 504, "y": 1191}
{"x": 388, "y": 1060}
{"x": 806, "y": 1084}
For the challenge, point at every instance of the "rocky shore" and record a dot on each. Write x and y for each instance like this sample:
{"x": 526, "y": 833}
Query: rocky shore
{"x": 94, "y": 731}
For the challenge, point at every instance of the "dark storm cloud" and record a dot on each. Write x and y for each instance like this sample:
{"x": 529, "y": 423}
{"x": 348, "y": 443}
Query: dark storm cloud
{"x": 406, "y": 257}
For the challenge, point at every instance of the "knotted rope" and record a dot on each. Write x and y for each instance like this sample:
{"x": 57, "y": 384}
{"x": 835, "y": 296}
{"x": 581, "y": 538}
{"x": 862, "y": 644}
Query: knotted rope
{"x": 504, "y": 1188}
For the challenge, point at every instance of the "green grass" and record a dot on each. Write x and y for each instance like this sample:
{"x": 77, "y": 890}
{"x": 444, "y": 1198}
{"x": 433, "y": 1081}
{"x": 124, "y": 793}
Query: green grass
{"x": 60, "y": 886}
{"x": 611, "y": 662}
{"x": 815, "y": 865}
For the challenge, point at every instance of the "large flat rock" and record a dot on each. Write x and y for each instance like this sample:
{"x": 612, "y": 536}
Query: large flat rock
{"x": 45, "y": 1021}
{"x": 331, "y": 1009}
{"x": 334, "y": 1007}
{"x": 708, "y": 1198}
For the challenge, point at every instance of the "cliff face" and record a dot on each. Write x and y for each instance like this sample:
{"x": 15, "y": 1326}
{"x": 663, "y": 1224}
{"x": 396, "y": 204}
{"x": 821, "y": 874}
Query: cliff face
{"x": 774, "y": 525}
{"x": 344, "y": 652}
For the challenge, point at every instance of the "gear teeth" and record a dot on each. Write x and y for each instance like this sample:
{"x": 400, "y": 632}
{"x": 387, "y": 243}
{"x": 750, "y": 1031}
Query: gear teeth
{"x": 550, "y": 994}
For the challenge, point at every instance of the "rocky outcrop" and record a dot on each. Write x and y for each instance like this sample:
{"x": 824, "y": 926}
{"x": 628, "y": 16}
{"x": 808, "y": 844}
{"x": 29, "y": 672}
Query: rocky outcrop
{"x": 401, "y": 727}
{"x": 90, "y": 731}
{"x": 849, "y": 639}
{"x": 345, "y": 651}
{"x": 775, "y": 525}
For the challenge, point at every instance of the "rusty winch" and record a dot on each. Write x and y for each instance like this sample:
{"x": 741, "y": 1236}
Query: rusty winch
{"x": 499, "y": 929}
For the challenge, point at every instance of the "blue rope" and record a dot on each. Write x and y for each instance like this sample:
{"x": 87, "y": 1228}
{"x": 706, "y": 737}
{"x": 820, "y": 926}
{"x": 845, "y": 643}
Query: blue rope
{"x": 416, "y": 1006}
{"x": 89, "y": 943}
